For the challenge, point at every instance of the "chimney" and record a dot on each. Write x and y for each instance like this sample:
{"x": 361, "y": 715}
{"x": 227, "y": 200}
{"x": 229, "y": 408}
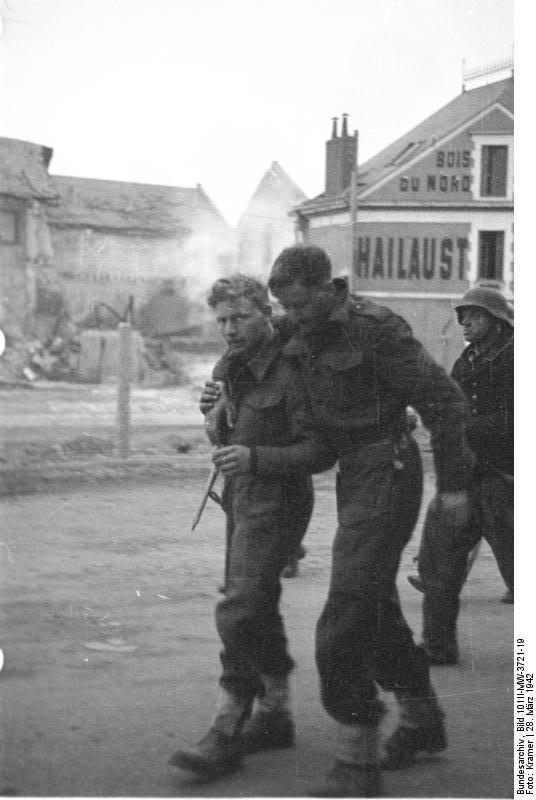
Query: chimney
{"x": 341, "y": 153}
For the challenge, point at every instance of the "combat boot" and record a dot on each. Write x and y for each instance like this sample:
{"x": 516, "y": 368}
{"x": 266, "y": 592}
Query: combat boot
{"x": 421, "y": 730}
{"x": 356, "y": 769}
{"x": 271, "y": 726}
{"x": 216, "y": 754}
{"x": 221, "y": 750}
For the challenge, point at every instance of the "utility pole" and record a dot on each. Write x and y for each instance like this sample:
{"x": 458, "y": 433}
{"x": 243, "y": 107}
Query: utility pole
{"x": 353, "y": 217}
{"x": 123, "y": 387}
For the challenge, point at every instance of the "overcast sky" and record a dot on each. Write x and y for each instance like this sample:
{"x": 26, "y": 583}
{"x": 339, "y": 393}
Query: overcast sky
{"x": 182, "y": 92}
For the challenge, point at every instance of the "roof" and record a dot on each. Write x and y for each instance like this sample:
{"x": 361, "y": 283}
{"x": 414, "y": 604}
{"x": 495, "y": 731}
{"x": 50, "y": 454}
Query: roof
{"x": 275, "y": 193}
{"x": 133, "y": 207}
{"x": 24, "y": 170}
{"x": 462, "y": 109}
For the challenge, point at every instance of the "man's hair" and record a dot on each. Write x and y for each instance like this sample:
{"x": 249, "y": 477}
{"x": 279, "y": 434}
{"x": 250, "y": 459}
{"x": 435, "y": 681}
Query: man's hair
{"x": 236, "y": 286}
{"x": 303, "y": 264}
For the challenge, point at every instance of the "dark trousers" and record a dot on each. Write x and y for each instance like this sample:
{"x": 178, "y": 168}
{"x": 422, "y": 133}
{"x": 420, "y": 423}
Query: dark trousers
{"x": 362, "y": 638}
{"x": 444, "y": 552}
{"x": 263, "y": 518}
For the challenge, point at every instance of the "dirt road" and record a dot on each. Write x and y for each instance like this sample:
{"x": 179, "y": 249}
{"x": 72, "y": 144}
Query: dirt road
{"x": 117, "y": 568}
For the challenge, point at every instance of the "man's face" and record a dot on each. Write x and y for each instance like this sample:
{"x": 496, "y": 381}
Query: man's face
{"x": 475, "y": 323}
{"x": 243, "y": 325}
{"x": 307, "y": 307}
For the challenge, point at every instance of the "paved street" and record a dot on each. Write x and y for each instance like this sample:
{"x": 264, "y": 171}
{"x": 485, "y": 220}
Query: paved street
{"x": 111, "y": 656}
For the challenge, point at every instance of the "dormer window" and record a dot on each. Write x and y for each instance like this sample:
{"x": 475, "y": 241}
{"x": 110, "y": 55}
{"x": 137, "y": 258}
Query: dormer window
{"x": 494, "y": 171}
{"x": 493, "y": 167}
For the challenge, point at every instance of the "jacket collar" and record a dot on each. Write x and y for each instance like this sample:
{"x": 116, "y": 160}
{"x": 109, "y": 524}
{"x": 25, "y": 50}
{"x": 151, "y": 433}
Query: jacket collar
{"x": 260, "y": 362}
{"x": 494, "y": 343}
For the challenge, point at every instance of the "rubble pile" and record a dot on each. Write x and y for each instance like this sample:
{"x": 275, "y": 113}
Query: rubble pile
{"x": 59, "y": 359}
{"x": 166, "y": 327}
{"x": 31, "y": 360}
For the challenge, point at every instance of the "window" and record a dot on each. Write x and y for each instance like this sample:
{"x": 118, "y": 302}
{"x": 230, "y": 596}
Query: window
{"x": 490, "y": 255}
{"x": 8, "y": 227}
{"x": 494, "y": 171}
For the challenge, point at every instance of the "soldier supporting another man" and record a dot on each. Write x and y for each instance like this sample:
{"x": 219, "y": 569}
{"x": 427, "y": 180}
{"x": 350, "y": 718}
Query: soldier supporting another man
{"x": 362, "y": 368}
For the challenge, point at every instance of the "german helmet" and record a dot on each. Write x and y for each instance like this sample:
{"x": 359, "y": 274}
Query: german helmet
{"x": 489, "y": 299}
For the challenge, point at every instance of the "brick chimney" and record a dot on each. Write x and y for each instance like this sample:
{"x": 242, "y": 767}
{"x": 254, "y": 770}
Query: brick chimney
{"x": 341, "y": 153}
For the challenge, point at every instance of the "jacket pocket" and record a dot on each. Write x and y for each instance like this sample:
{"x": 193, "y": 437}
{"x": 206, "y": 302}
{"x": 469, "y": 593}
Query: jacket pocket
{"x": 341, "y": 378}
{"x": 264, "y": 416}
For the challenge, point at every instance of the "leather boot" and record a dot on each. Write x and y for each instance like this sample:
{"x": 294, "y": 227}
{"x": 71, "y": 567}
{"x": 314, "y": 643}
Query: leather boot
{"x": 220, "y": 751}
{"x": 421, "y": 729}
{"x": 356, "y": 769}
{"x": 271, "y": 726}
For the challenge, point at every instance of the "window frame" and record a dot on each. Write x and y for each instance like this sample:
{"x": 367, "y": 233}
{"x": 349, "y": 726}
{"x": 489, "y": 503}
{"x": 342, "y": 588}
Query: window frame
{"x": 493, "y": 140}
{"x": 500, "y": 236}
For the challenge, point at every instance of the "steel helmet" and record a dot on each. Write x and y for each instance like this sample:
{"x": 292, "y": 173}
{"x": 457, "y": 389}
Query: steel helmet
{"x": 489, "y": 299}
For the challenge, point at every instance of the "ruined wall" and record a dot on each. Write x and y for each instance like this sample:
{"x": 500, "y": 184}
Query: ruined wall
{"x": 14, "y": 296}
{"x": 102, "y": 266}
{"x": 32, "y": 297}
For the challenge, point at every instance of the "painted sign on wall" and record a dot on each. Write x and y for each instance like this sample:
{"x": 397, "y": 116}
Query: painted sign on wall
{"x": 411, "y": 257}
{"x": 444, "y": 175}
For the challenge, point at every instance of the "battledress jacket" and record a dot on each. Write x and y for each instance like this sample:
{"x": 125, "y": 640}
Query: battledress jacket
{"x": 485, "y": 373}
{"x": 271, "y": 415}
{"x": 363, "y": 367}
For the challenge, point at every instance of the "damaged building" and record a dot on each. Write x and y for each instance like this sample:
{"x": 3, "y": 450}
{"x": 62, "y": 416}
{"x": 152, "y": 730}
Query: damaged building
{"x": 30, "y": 289}
{"x": 78, "y": 253}
{"x": 113, "y": 240}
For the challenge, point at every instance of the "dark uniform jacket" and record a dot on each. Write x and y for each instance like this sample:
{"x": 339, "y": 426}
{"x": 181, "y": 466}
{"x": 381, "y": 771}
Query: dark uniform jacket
{"x": 363, "y": 368}
{"x": 485, "y": 372}
{"x": 271, "y": 415}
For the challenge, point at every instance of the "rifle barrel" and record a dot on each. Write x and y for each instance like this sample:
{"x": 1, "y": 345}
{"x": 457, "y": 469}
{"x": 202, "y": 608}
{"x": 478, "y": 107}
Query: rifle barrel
{"x": 210, "y": 484}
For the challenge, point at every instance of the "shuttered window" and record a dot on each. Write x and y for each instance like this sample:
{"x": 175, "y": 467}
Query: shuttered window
{"x": 494, "y": 171}
{"x": 491, "y": 255}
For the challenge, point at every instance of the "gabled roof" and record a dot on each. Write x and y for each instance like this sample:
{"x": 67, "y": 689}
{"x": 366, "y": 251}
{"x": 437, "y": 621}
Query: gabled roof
{"x": 119, "y": 205}
{"x": 24, "y": 170}
{"x": 276, "y": 190}
{"x": 459, "y": 111}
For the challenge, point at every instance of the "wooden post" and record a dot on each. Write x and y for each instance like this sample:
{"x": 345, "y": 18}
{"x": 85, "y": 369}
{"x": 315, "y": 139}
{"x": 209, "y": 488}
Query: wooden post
{"x": 123, "y": 387}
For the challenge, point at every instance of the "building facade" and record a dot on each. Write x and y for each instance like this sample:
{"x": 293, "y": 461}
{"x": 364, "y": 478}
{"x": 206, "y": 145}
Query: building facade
{"x": 426, "y": 218}
{"x": 68, "y": 244}
{"x": 113, "y": 240}
{"x": 266, "y": 226}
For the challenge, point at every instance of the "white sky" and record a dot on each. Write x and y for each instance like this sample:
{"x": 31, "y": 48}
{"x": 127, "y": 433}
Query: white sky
{"x": 212, "y": 91}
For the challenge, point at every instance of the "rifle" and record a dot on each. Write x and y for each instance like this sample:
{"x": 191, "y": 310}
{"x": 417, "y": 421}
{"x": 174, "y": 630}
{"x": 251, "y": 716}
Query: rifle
{"x": 219, "y": 414}
{"x": 209, "y": 492}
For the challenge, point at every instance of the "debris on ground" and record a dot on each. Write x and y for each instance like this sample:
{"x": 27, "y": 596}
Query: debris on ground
{"x": 111, "y": 646}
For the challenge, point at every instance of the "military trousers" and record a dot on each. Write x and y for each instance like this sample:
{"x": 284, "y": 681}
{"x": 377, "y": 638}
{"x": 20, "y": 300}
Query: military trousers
{"x": 444, "y": 553}
{"x": 265, "y": 517}
{"x": 362, "y": 638}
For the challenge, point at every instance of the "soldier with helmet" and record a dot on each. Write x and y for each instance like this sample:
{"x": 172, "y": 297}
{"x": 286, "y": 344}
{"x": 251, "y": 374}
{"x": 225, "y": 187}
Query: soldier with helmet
{"x": 485, "y": 373}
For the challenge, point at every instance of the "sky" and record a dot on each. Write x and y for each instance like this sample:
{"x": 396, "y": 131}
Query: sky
{"x": 180, "y": 92}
